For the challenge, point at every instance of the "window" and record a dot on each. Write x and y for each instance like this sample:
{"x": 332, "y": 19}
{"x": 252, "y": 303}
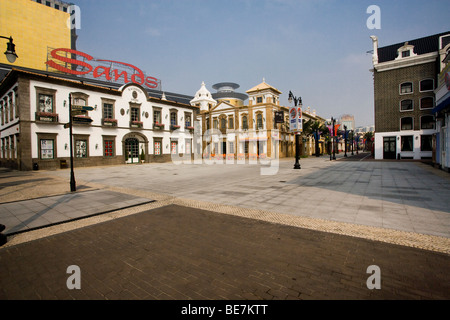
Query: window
{"x": 259, "y": 100}
{"x": 135, "y": 114}
{"x": 81, "y": 148}
{"x": 108, "y": 150}
{"x": 230, "y": 123}
{"x": 47, "y": 149}
{"x": 427, "y": 103}
{"x": 406, "y": 54}
{"x": 79, "y": 101}
{"x": 244, "y": 123}
{"x": 427, "y": 122}
{"x": 231, "y": 147}
{"x": 223, "y": 123}
{"x": 215, "y": 124}
{"x": 259, "y": 121}
{"x": 406, "y": 105}
{"x": 45, "y": 103}
{"x": 173, "y": 118}
{"x": 156, "y": 116}
{"x": 407, "y": 143}
{"x": 157, "y": 151}
{"x": 426, "y": 143}
{"x": 427, "y": 85}
{"x": 174, "y": 147}
{"x": 406, "y": 123}
{"x": 108, "y": 111}
{"x": 187, "y": 120}
{"x": 406, "y": 88}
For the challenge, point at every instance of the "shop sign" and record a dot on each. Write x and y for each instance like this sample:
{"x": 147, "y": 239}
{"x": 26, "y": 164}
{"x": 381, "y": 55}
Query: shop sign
{"x": 60, "y": 61}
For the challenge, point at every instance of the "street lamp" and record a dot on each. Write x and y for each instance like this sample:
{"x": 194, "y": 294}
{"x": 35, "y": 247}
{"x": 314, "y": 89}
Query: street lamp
{"x": 297, "y": 134}
{"x": 351, "y": 131}
{"x": 345, "y": 140}
{"x": 333, "y": 121}
{"x": 73, "y": 185}
{"x": 10, "y": 52}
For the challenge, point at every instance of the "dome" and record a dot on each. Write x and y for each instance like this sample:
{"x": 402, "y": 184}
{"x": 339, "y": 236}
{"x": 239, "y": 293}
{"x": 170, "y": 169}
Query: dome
{"x": 203, "y": 98}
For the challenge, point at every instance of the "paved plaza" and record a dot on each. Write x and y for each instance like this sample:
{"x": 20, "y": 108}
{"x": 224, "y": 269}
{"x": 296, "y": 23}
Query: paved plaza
{"x": 226, "y": 231}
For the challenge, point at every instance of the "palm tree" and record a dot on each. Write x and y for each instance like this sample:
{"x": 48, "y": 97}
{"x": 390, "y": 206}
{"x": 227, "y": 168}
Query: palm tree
{"x": 315, "y": 128}
{"x": 368, "y": 136}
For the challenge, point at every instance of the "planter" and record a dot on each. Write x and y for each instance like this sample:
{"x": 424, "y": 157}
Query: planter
{"x": 136, "y": 124}
{"x": 46, "y": 117}
{"x": 158, "y": 126}
{"x": 109, "y": 122}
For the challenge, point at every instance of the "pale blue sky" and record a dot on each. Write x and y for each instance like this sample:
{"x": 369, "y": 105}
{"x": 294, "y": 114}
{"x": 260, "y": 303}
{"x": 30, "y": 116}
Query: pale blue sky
{"x": 316, "y": 48}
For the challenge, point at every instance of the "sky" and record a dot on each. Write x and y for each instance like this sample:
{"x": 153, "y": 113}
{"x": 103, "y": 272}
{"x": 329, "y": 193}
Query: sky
{"x": 318, "y": 49}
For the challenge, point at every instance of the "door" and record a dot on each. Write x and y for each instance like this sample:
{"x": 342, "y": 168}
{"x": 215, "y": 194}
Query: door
{"x": 132, "y": 150}
{"x": 389, "y": 147}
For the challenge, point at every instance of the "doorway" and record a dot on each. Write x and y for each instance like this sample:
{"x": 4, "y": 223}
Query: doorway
{"x": 389, "y": 147}
{"x": 132, "y": 150}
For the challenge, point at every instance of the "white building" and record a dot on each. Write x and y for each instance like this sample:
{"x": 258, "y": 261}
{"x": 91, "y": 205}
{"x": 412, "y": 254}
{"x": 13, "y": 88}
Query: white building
{"x": 127, "y": 124}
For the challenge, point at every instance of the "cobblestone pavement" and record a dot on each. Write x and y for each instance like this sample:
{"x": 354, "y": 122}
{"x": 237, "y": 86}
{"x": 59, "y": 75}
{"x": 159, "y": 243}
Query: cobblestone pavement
{"x": 176, "y": 252}
{"x": 193, "y": 247}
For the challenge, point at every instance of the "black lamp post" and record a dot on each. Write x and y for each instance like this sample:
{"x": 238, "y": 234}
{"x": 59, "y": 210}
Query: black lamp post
{"x": 10, "y": 52}
{"x": 351, "y": 131}
{"x": 333, "y": 121}
{"x": 297, "y": 134}
{"x": 73, "y": 186}
{"x": 345, "y": 141}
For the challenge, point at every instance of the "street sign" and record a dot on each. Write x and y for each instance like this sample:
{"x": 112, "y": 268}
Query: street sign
{"x": 81, "y": 120}
{"x": 87, "y": 108}
{"x": 279, "y": 117}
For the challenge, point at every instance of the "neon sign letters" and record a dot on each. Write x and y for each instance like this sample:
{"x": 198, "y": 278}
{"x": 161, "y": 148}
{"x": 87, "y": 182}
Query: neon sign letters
{"x": 137, "y": 77}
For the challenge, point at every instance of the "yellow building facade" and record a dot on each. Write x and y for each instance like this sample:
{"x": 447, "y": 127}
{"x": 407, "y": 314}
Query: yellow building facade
{"x": 34, "y": 27}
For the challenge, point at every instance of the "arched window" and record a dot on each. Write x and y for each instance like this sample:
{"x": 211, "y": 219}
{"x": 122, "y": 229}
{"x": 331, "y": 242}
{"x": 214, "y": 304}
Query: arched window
{"x": 406, "y": 123}
{"x": 259, "y": 121}
{"x": 406, "y": 87}
{"x": 427, "y": 103}
{"x": 244, "y": 122}
{"x": 406, "y": 105}
{"x": 427, "y": 122}
{"x": 426, "y": 85}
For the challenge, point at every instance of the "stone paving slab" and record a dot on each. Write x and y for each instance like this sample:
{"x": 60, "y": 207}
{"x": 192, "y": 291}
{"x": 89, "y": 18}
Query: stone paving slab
{"x": 25, "y": 215}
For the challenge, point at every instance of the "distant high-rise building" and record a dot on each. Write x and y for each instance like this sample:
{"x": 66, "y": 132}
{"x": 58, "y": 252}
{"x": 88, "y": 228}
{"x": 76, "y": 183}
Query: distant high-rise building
{"x": 347, "y": 120}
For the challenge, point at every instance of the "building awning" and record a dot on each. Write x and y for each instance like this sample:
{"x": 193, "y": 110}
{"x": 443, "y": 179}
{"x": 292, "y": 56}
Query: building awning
{"x": 441, "y": 106}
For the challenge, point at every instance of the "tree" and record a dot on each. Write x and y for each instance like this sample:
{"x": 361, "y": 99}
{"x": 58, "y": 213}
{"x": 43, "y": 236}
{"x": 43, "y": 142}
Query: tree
{"x": 368, "y": 136}
{"x": 315, "y": 128}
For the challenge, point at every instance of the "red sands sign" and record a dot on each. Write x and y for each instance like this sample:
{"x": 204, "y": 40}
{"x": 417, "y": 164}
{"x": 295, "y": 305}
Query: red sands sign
{"x": 113, "y": 70}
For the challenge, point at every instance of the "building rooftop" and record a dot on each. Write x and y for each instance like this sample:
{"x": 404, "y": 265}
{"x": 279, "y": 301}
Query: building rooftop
{"x": 421, "y": 46}
{"x": 5, "y": 69}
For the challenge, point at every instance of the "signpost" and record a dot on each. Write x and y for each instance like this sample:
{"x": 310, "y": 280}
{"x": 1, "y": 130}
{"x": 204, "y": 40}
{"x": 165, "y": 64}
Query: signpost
{"x": 73, "y": 186}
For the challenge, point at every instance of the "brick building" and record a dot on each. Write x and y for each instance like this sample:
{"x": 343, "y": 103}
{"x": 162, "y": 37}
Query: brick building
{"x": 405, "y": 77}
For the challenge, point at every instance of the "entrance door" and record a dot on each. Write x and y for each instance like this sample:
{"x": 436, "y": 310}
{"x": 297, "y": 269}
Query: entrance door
{"x": 132, "y": 150}
{"x": 389, "y": 147}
